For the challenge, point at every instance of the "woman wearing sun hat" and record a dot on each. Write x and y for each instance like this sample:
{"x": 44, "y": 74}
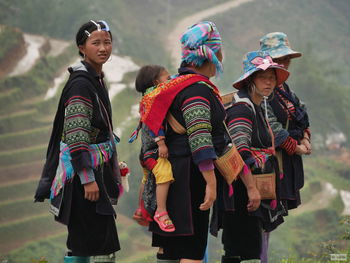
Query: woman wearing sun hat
{"x": 292, "y": 122}
{"x": 253, "y": 137}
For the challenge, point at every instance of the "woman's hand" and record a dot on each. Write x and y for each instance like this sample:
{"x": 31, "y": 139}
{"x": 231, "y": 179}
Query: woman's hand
{"x": 301, "y": 149}
{"x": 210, "y": 197}
{"x": 254, "y": 199}
{"x": 306, "y": 142}
{"x": 210, "y": 190}
{"x": 92, "y": 192}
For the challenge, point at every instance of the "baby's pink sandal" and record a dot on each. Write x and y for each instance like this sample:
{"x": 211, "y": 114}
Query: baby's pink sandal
{"x": 166, "y": 224}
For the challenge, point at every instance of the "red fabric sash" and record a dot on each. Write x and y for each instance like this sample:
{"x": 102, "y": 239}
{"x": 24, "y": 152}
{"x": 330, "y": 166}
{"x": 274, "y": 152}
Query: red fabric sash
{"x": 155, "y": 105}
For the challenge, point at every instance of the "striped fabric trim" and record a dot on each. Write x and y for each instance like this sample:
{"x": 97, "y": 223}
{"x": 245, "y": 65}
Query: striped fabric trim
{"x": 289, "y": 145}
{"x": 308, "y": 132}
{"x": 241, "y": 133}
{"x": 99, "y": 154}
{"x": 290, "y": 110}
{"x": 77, "y": 124}
{"x": 86, "y": 176}
{"x": 279, "y": 132}
{"x": 196, "y": 112}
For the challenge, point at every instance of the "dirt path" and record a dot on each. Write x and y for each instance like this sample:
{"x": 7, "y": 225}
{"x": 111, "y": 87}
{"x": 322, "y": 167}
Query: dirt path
{"x": 33, "y": 44}
{"x": 115, "y": 69}
{"x": 173, "y": 43}
{"x": 57, "y": 47}
{"x": 320, "y": 200}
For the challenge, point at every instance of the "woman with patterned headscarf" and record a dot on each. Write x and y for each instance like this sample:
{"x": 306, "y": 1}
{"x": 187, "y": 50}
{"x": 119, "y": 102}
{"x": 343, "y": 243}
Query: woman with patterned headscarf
{"x": 195, "y": 138}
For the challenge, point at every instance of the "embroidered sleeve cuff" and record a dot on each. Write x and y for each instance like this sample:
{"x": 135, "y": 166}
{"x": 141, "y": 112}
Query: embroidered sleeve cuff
{"x": 280, "y": 137}
{"x": 289, "y": 145}
{"x": 206, "y": 165}
{"x": 86, "y": 176}
{"x": 308, "y": 132}
{"x": 204, "y": 155}
{"x": 161, "y": 133}
{"x": 81, "y": 160}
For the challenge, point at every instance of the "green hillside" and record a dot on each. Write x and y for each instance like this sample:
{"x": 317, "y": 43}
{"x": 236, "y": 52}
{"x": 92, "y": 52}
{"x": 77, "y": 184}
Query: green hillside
{"x": 137, "y": 25}
{"x": 318, "y": 28}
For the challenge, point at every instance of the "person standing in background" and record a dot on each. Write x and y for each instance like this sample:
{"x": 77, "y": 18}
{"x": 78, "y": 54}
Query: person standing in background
{"x": 290, "y": 123}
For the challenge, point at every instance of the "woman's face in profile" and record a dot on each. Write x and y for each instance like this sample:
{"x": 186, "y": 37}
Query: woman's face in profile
{"x": 265, "y": 81}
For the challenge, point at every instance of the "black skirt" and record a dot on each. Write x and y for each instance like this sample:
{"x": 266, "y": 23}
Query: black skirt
{"x": 89, "y": 233}
{"x": 242, "y": 236}
{"x": 191, "y": 245}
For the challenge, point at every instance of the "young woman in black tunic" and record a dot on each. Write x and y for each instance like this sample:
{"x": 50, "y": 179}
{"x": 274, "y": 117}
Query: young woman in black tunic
{"x": 81, "y": 174}
{"x": 250, "y": 131}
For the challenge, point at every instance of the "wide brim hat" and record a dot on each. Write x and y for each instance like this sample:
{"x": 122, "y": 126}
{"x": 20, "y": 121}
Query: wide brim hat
{"x": 277, "y": 45}
{"x": 259, "y": 60}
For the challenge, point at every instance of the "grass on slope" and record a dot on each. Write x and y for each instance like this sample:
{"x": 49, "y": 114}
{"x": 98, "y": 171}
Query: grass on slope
{"x": 322, "y": 168}
{"x": 321, "y": 25}
{"x": 308, "y": 235}
{"x": 52, "y": 248}
{"x": 9, "y": 38}
{"x": 24, "y": 138}
{"x": 34, "y": 83}
{"x": 138, "y": 26}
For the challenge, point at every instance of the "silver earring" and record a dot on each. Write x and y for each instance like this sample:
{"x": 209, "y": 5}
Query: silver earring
{"x": 252, "y": 87}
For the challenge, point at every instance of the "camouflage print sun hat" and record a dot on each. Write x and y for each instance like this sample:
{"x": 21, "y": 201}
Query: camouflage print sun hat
{"x": 277, "y": 44}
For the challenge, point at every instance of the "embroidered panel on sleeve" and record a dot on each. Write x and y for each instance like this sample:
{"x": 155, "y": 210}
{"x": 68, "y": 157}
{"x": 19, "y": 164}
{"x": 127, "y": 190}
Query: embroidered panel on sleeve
{"x": 77, "y": 126}
{"x": 196, "y": 112}
{"x": 289, "y": 107}
{"x": 240, "y": 130}
{"x": 279, "y": 132}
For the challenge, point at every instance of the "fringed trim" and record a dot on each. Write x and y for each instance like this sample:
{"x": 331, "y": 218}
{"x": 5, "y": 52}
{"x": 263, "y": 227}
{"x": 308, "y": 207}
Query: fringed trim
{"x": 230, "y": 190}
{"x": 246, "y": 170}
{"x": 99, "y": 153}
{"x": 273, "y": 204}
{"x": 289, "y": 145}
{"x": 259, "y": 156}
{"x": 121, "y": 189}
